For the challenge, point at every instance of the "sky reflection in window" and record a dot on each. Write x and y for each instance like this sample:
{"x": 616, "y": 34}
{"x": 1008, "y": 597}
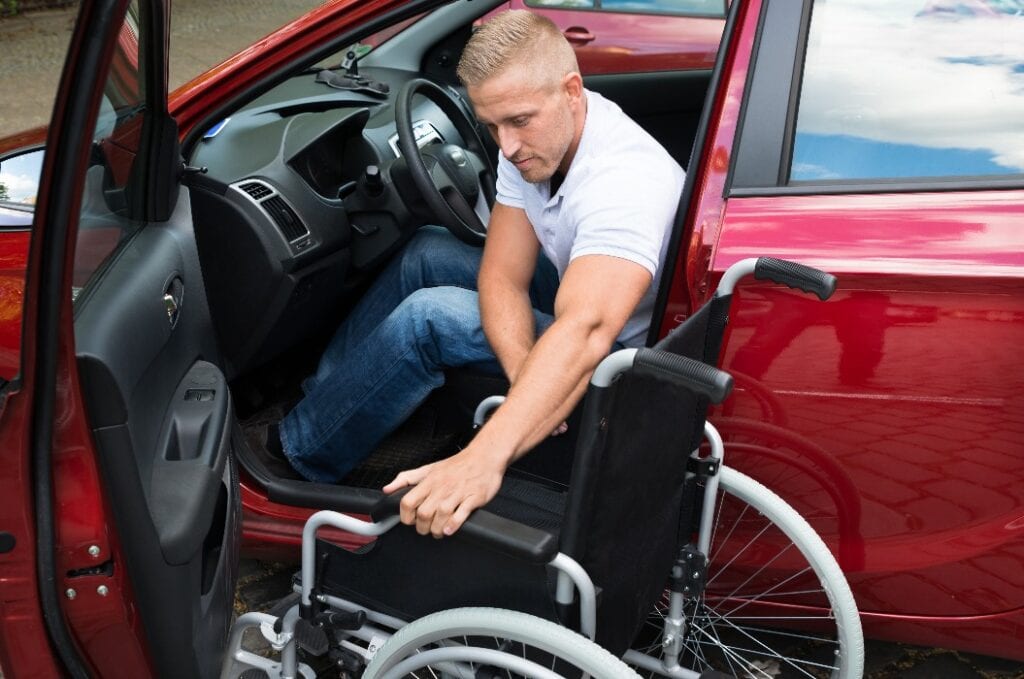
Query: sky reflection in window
{"x": 911, "y": 88}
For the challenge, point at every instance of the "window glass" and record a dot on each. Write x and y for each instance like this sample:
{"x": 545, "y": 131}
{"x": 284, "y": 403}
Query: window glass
{"x": 680, "y": 7}
{"x": 103, "y": 222}
{"x": 562, "y": 4}
{"x": 911, "y": 89}
{"x": 369, "y": 43}
{"x": 205, "y": 33}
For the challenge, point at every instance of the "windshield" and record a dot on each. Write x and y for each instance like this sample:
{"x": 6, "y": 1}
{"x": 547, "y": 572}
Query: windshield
{"x": 367, "y": 44}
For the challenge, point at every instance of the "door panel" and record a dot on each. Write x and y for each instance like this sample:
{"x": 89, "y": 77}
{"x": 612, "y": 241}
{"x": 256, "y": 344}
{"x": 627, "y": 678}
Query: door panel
{"x": 155, "y": 398}
{"x": 161, "y": 413}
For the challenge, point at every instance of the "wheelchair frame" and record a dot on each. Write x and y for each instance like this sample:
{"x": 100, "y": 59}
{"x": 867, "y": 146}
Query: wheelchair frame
{"x": 377, "y": 628}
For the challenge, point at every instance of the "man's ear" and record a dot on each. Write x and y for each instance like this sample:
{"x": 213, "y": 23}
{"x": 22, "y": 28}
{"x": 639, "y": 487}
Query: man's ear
{"x": 573, "y": 85}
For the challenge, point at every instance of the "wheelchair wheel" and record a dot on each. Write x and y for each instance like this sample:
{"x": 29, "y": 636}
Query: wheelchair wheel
{"x": 491, "y": 642}
{"x": 775, "y": 603}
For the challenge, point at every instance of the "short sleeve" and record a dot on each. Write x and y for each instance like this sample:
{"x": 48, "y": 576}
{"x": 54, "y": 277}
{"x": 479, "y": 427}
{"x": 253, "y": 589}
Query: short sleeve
{"x": 627, "y": 215}
{"x": 509, "y": 186}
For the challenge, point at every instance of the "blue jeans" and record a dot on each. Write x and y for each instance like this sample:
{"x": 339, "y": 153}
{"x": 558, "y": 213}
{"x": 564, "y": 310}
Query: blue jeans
{"x": 420, "y": 316}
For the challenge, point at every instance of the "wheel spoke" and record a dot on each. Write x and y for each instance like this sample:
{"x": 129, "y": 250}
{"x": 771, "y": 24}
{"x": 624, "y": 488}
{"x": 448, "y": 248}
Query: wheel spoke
{"x": 763, "y": 553}
{"x": 739, "y": 553}
{"x": 747, "y": 602}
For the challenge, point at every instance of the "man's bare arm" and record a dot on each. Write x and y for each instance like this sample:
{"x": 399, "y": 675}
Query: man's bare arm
{"x": 596, "y": 297}
{"x": 509, "y": 261}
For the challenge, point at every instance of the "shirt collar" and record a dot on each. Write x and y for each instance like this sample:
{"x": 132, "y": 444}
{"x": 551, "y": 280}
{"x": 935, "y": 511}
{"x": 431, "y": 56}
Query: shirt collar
{"x": 582, "y": 151}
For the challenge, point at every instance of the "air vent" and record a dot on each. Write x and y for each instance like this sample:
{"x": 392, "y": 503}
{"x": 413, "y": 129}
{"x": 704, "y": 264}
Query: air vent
{"x": 289, "y": 223}
{"x": 256, "y": 190}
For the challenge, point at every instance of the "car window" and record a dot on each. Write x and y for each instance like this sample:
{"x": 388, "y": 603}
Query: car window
{"x": 911, "y": 89}
{"x": 104, "y": 222}
{"x": 672, "y": 7}
{"x": 213, "y": 35}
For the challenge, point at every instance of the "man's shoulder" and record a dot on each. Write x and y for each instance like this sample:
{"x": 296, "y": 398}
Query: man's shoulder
{"x": 620, "y": 143}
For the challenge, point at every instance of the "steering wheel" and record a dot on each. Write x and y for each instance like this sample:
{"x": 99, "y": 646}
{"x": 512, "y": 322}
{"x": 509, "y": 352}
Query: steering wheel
{"x": 457, "y": 183}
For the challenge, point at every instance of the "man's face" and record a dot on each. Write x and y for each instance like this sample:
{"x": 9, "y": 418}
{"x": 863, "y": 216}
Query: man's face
{"x": 532, "y": 124}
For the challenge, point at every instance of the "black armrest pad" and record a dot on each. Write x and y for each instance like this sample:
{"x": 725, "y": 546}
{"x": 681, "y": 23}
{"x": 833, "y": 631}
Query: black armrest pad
{"x": 488, "y": 530}
{"x": 347, "y": 499}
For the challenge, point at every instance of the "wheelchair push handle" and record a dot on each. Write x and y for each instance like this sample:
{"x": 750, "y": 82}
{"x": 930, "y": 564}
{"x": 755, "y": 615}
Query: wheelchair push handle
{"x": 795, "y": 275}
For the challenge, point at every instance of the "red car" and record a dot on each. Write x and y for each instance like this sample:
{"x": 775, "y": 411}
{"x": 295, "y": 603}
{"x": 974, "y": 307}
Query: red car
{"x": 169, "y": 308}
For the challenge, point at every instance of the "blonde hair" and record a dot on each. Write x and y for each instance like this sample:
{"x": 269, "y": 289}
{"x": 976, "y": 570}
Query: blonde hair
{"x": 517, "y": 37}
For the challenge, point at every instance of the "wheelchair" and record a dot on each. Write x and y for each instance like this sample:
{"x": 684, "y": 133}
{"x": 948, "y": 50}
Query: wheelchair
{"x": 657, "y": 560}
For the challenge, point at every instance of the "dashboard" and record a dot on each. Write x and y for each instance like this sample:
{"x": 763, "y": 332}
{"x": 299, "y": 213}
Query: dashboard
{"x": 304, "y": 198}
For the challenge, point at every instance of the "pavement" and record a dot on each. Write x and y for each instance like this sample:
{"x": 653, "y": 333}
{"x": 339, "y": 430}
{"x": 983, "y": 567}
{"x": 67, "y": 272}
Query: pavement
{"x": 204, "y": 34}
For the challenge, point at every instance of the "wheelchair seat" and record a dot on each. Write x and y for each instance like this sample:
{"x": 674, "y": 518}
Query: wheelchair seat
{"x": 628, "y": 478}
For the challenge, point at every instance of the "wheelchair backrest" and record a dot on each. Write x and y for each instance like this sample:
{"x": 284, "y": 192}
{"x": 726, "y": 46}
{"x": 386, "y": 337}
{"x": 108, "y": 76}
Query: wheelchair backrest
{"x": 622, "y": 519}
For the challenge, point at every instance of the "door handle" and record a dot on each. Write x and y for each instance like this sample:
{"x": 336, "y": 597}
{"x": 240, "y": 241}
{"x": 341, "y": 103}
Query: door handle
{"x": 172, "y": 300}
{"x": 578, "y": 35}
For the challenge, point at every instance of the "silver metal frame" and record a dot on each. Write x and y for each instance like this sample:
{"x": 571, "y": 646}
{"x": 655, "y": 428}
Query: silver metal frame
{"x": 572, "y": 578}
{"x": 733, "y": 274}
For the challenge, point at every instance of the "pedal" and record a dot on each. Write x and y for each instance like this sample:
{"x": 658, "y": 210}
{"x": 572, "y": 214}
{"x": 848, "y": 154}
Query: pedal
{"x": 310, "y": 638}
{"x": 254, "y": 673}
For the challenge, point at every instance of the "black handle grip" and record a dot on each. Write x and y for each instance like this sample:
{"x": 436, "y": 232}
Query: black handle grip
{"x": 699, "y": 377}
{"x": 795, "y": 275}
{"x": 488, "y": 530}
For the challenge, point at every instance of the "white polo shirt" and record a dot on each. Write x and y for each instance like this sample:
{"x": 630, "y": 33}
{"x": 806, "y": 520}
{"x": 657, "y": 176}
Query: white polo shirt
{"x": 619, "y": 198}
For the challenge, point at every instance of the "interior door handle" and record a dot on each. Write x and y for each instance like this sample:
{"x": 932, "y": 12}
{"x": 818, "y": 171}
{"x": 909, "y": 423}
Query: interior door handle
{"x": 172, "y": 300}
{"x": 578, "y": 35}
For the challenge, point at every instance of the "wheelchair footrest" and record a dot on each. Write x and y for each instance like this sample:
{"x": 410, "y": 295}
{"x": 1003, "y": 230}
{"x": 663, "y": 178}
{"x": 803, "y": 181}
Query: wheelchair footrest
{"x": 311, "y": 638}
{"x": 254, "y": 673}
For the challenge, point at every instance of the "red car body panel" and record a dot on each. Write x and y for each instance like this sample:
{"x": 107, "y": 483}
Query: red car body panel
{"x": 14, "y": 244}
{"x": 13, "y": 259}
{"x": 617, "y": 42}
{"x": 906, "y": 379}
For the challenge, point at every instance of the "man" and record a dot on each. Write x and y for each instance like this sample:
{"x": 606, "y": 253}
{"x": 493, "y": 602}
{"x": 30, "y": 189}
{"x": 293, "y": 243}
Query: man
{"x": 577, "y": 181}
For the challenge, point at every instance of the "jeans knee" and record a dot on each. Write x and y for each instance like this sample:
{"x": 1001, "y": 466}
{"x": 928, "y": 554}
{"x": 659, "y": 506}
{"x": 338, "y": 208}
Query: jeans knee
{"x": 441, "y": 317}
{"x": 434, "y": 257}
{"x": 423, "y": 248}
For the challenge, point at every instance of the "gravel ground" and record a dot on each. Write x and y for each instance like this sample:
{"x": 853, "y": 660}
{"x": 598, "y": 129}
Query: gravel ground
{"x": 205, "y": 33}
{"x": 202, "y": 34}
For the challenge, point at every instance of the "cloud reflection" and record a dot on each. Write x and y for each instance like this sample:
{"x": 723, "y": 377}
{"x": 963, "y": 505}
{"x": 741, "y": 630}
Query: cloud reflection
{"x": 943, "y": 76}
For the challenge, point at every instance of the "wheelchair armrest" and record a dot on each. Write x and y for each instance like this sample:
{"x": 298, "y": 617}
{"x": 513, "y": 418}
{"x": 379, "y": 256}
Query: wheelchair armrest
{"x": 489, "y": 530}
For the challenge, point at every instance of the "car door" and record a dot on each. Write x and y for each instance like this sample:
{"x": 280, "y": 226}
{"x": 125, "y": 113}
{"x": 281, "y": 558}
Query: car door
{"x": 616, "y": 36}
{"x": 136, "y": 497}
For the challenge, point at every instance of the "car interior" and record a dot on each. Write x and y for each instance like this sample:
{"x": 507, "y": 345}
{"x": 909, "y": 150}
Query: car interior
{"x": 307, "y": 190}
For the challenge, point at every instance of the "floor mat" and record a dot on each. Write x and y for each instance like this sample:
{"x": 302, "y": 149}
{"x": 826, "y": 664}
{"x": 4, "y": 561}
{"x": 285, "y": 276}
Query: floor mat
{"x": 418, "y": 441}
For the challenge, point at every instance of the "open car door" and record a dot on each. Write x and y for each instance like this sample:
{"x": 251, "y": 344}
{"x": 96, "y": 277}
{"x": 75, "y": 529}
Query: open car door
{"x": 136, "y": 512}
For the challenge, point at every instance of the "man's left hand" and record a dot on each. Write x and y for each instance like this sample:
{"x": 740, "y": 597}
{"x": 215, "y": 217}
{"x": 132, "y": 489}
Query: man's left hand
{"x": 445, "y": 493}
